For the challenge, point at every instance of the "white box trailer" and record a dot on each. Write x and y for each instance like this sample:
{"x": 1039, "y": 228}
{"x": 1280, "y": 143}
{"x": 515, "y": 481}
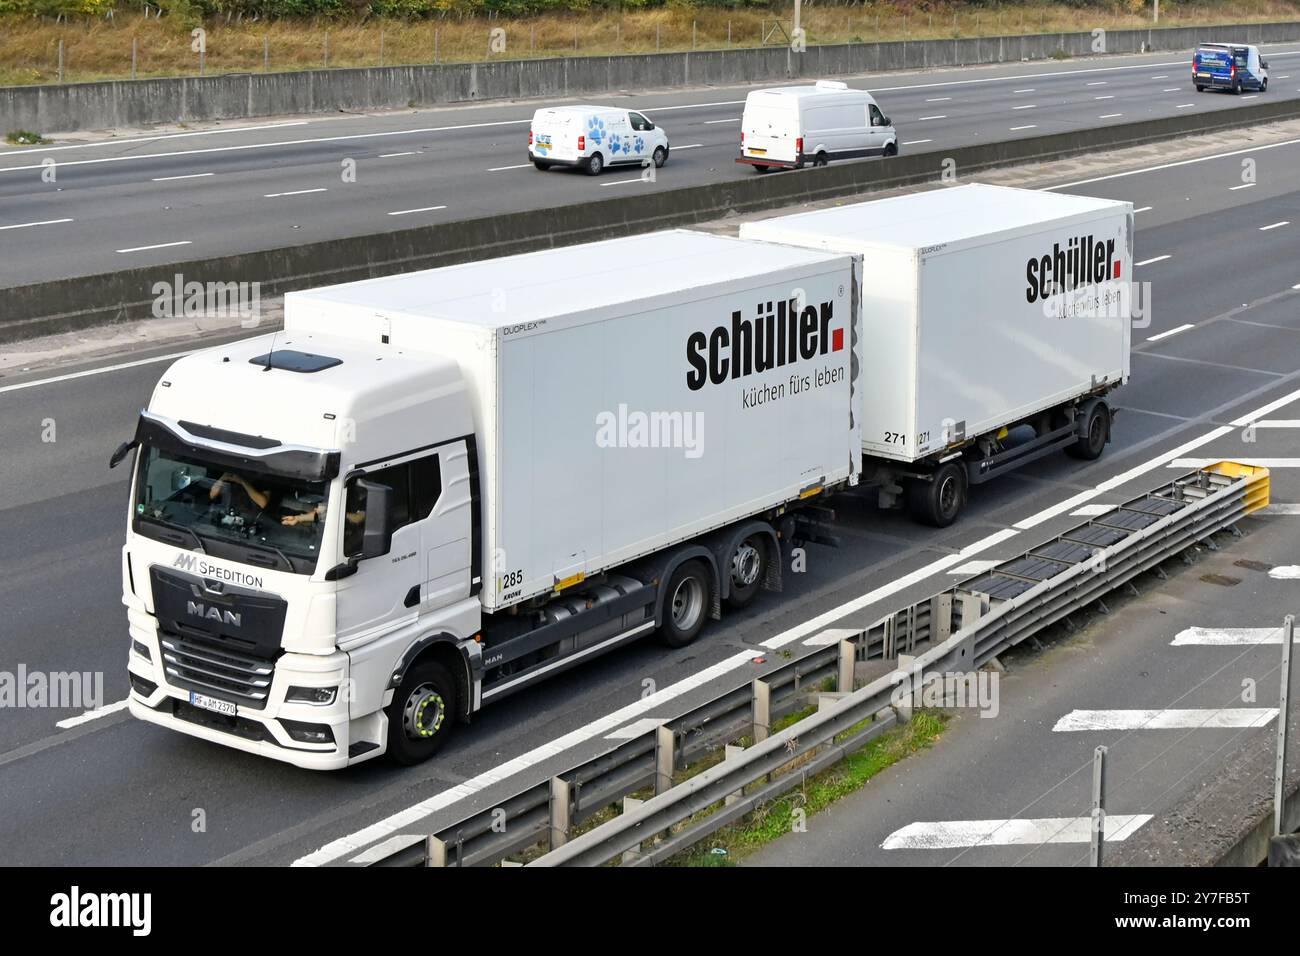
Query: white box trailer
{"x": 615, "y": 413}
{"x": 984, "y": 308}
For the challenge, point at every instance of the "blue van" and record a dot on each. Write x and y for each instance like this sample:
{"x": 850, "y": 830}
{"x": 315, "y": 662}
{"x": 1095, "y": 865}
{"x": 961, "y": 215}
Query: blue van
{"x": 1229, "y": 66}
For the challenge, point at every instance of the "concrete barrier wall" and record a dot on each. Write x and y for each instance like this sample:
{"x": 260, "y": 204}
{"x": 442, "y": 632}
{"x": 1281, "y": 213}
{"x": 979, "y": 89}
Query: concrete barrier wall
{"x": 81, "y": 106}
{"x": 68, "y": 304}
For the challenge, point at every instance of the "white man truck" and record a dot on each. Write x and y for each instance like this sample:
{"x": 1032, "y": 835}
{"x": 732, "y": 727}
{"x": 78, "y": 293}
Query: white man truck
{"x": 431, "y": 490}
{"x": 996, "y": 322}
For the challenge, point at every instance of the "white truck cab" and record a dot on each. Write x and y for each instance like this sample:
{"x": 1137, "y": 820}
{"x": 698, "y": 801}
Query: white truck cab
{"x": 593, "y": 137}
{"x": 790, "y": 126}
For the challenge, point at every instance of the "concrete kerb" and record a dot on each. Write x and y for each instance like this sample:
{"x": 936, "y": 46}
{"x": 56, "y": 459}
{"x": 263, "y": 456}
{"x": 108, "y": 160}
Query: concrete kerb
{"x": 76, "y": 303}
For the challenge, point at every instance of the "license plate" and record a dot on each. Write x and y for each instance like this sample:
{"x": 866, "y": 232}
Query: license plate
{"x": 543, "y": 140}
{"x": 212, "y": 704}
{"x": 759, "y": 152}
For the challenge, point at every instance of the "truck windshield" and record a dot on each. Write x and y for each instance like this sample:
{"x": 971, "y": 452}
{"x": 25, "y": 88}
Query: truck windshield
{"x": 230, "y": 513}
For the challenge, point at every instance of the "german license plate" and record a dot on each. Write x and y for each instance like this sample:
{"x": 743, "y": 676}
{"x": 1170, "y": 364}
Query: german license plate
{"x": 759, "y": 152}
{"x": 212, "y": 704}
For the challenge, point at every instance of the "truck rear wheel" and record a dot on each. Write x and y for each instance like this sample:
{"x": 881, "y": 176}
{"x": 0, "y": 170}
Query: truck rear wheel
{"x": 686, "y": 604}
{"x": 939, "y": 501}
{"x": 422, "y": 713}
{"x": 1096, "y": 433}
{"x": 748, "y": 568}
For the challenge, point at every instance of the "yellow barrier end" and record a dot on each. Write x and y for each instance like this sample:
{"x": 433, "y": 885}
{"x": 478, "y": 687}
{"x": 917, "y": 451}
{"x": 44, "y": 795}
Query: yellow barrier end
{"x": 1257, "y": 481}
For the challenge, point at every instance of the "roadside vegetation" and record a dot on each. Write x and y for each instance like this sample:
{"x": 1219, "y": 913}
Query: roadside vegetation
{"x": 252, "y": 35}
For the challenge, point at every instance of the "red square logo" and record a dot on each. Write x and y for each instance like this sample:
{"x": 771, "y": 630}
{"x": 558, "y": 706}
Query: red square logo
{"x": 1116, "y": 268}
{"x": 837, "y": 340}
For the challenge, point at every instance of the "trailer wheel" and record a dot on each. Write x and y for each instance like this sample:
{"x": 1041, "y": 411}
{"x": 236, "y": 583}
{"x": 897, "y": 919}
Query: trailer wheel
{"x": 748, "y": 568}
{"x": 1097, "y": 432}
{"x": 686, "y": 604}
{"x": 422, "y": 713}
{"x": 939, "y": 501}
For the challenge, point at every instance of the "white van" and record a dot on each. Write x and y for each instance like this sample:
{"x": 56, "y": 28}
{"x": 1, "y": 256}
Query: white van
{"x": 791, "y": 125}
{"x": 593, "y": 137}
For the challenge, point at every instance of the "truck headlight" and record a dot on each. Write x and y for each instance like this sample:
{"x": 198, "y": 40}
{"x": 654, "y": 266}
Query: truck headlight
{"x": 311, "y": 695}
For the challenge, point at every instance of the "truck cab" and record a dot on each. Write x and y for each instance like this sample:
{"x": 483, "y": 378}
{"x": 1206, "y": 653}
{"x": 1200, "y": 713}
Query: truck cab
{"x": 257, "y": 533}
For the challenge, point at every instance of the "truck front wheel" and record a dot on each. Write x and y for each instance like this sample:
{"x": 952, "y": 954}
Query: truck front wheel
{"x": 939, "y": 501}
{"x": 1096, "y": 432}
{"x": 422, "y": 713}
{"x": 748, "y": 568}
{"x": 686, "y": 604}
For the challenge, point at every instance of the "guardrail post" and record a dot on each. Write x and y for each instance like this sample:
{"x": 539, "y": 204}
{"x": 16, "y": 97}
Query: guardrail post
{"x": 1283, "y": 718}
{"x": 848, "y": 656}
{"x": 761, "y": 708}
{"x": 940, "y": 618}
{"x": 1098, "y": 806}
{"x": 631, "y": 803}
{"x": 904, "y": 707}
{"x": 560, "y": 805}
{"x": 435, "y": 851}
{"x": 665, "y": 758}
{"x": 731, "y": 752}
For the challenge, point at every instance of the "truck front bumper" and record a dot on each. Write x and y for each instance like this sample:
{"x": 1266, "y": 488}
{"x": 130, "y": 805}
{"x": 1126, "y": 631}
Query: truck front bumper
{"x": 157, "y": 696}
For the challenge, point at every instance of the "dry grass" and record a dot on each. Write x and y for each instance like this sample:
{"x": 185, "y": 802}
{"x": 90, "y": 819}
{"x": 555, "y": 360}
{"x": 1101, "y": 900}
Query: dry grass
{"x": 101, "y": 49}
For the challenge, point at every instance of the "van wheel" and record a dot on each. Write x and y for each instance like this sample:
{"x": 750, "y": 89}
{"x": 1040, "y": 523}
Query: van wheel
{"x": 1092, "y": 443}
{"x": 892, "y": 149}
{"x": 686, "y": 604}
{"x": 422, "y": 713}
{"x": 1199, "y": 88}
{"x": 595, "y": 164}
{"x": 748, "y": 568}
{"x": 820, "y": 159}
{"x": 541, "y": 165}
{"x": 1264, "y": 87}
{"x": 939, "y": 501}
{"x": 1236, "y": 87}
{"x": 763, "y": 169}
{"x": 660, "y": 156}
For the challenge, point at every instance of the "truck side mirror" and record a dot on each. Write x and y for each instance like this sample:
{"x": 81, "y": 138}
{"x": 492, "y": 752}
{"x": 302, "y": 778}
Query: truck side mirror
{"x": 377, "y": 533}
{"x": 123, "y": 450}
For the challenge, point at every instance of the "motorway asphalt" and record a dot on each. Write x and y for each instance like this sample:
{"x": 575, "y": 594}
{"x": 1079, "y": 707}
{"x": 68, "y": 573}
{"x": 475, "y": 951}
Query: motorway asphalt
{"x": 142, "y": 200}
{"x": 116, "y": 791}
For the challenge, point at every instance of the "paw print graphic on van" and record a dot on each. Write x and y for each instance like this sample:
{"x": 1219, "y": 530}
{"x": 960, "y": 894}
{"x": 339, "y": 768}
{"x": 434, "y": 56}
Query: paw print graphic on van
{"x": 615, "y": 142}
{"x": 638, "y": 144}
{"x": 595, "y": 129}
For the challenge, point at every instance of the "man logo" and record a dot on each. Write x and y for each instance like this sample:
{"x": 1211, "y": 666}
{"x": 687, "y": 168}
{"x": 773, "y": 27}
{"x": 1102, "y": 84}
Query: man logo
{"x": 185, "y": 562}
{"x": 220, "y": 615}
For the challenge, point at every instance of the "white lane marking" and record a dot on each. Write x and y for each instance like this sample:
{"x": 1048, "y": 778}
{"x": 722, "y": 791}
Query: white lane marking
{"x": 1172, "y": 89}
{"x": 1189, "y": 463}
{"x": 1016, "y": 128}
{"x": 409, "y": 152}
{"x": 1142, "y": 209}
{"x": 1184, "y": 719}
{"x": 952, "y": 834}
{"x": 916, "y": 142}
{"x": 414, "y": 814}
{"x": 1296, "y": 286}
{"x": 1251, "y": 97}
{"x": 922, "y": 118}
{"x": 28, "y": 225}
{"x": 387, "y": 848}
{"x": 1285, "y": 572}
{"x": 159, "y": 245}
{"x": 1185, "y": 106}
{"x": 636, "y": 728}
{"x": 407, "y": 212}
{"x": 832, "y": 635}
{"x": 1279, "y": 509}
{"x": 1162, "y": 76}
{"x": 1276, "y": 225}
{"x": 1181, "y": 162}
{"x": 1242, "y": 186}
{"x": 1029, "y": 106}
{"x": 295, "y": 192}
{"x": 939, "y": 99}
{"x": 1279, "y": 423}
{"x": 1228, "y": 636}
{"x": 90, "y": 715}
{"x": 1092, "y": 511}
{"x": 1147, "y": 262}
{"x": 1108, "y": 97}
{"x": 499, "y": 169}
{"x": 678, "y": 149}
{"x": 974, "y": 567}
{"x": 1284, "y": 76}
{"x": 624, "y": 182}
{"x": 1022, "y": 91}
{"x": 1111, "y": 116}
{"x": 1268, "y": 409}
{"x": 735, "y": 119}
{"x": 152, "y": 139}
{"x": 1097, "y": 83}
{"x": 344, "y": 845}
{"x": 169, "y": 179}
{"x": 94, "y": 371}
{"x": 1175, "y": 331}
